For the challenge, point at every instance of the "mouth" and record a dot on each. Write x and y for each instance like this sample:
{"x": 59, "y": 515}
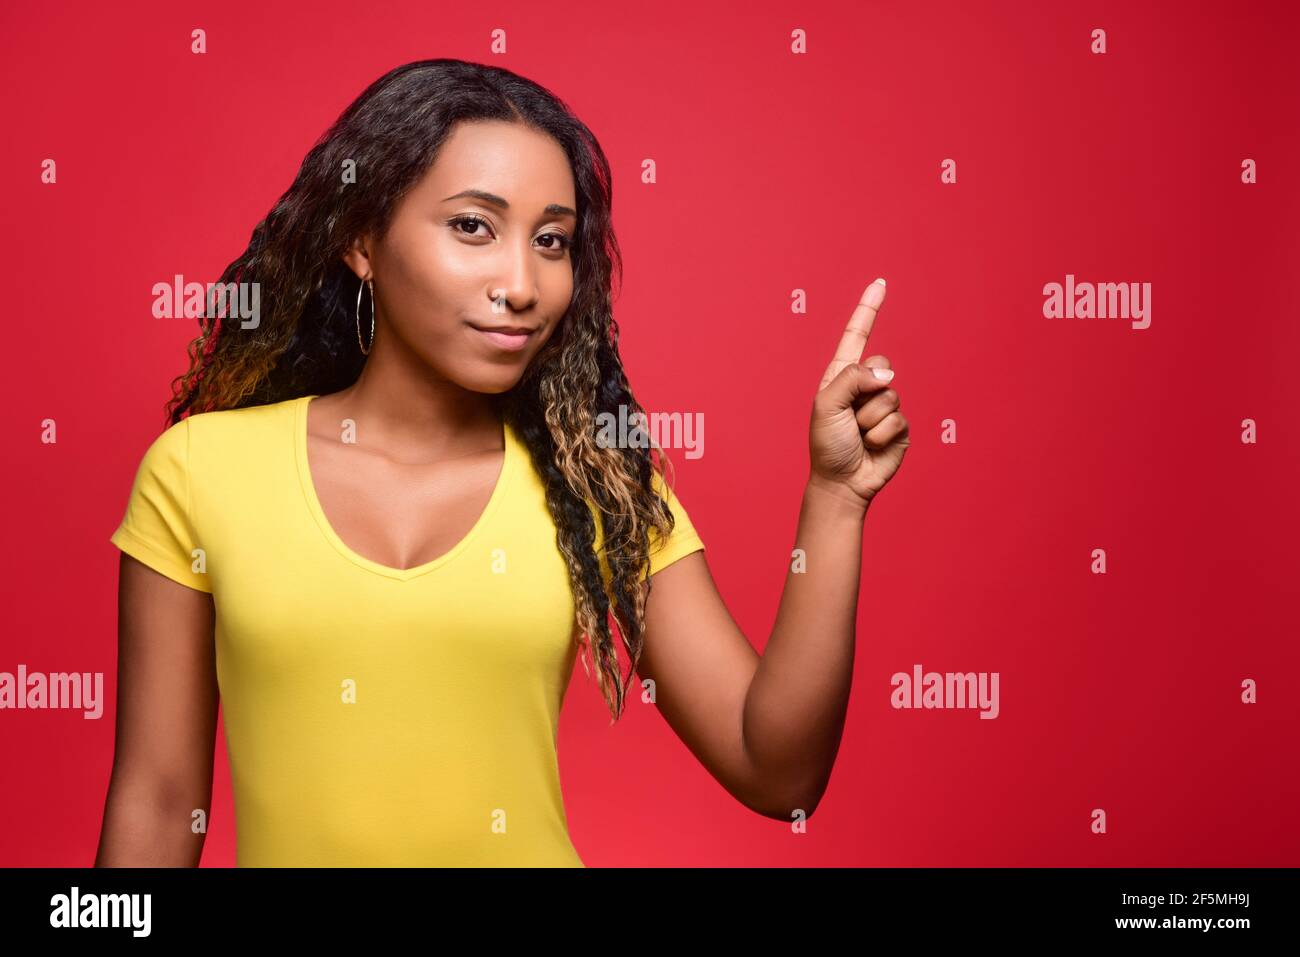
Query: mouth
{"x": 508, "y": 338}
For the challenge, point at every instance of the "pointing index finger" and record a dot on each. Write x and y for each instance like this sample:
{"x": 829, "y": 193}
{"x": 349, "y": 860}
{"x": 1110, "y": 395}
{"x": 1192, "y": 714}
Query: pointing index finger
{"x": 854, "y": 341}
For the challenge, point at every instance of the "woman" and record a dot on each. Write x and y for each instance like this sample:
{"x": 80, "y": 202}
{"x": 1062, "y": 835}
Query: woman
{"x": 383, "y": 520}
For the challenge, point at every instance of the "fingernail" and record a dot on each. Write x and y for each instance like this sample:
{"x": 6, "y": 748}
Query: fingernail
{"x": 881, "y": 281}
{"x": 885, "y": 374}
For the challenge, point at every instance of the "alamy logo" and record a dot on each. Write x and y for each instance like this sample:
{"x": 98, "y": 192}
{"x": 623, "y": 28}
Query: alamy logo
{"x": 56, "y": 690}
{"x": 216, "y": 300}
{"x": 948, "y": 690}
{"x": 667, "y": 430}
{"x": 102, "y": 910}
{"x": 1103, "y": 300}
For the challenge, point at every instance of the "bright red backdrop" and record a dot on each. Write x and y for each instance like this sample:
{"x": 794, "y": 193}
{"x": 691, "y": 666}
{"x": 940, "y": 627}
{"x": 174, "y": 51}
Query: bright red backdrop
{"x": 776, "y": 172}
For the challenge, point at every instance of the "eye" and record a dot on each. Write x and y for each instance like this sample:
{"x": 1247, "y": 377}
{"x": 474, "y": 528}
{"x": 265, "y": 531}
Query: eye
{"x": 473, "y": 221}
{"x": 558, "y": 241}
{"x": 562, "y": 242}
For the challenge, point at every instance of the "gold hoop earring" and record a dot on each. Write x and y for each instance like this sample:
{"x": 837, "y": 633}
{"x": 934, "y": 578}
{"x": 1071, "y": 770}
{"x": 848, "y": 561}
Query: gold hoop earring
{"x": 365, "y": 350}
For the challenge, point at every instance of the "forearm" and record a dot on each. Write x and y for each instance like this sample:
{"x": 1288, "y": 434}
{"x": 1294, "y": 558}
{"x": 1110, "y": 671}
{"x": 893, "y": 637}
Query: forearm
{"x": 145, "y": 826}
{"x": 798, "y": 697}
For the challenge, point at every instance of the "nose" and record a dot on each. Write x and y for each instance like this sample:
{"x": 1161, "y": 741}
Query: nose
{"x": 515, "y": 286}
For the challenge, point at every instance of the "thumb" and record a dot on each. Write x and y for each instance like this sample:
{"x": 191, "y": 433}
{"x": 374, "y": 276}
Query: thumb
{"x": 854, "y": 380}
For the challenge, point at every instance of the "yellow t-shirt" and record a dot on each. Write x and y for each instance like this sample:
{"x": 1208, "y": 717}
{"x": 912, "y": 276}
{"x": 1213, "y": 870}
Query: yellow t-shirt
{"x": 373, "y": 716}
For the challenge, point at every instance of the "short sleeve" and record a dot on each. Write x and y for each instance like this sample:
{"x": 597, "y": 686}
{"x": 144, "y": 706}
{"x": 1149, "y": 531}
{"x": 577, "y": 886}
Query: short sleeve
{"x": 158, "y": 527}
{"x": 682, "y": 541}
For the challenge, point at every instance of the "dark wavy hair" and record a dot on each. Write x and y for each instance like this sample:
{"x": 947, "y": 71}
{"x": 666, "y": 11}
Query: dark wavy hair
{"x": 305, "y": 342}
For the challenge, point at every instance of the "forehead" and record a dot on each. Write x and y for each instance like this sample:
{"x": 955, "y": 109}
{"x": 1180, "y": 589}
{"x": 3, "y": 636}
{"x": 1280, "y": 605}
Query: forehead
{"x": 526, "y": 168}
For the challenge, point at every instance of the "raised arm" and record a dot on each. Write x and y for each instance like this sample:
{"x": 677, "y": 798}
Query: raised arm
{"x": 768, "y": 729}
{"x": 166, "y": 723}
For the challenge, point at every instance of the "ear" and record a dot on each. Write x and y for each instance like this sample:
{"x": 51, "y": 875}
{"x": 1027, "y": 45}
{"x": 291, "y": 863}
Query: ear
{"x": 358, "y": 257}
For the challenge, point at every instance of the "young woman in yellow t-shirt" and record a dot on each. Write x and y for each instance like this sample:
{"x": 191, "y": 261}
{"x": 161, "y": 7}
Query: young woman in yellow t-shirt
{"x": 384, "y": 517}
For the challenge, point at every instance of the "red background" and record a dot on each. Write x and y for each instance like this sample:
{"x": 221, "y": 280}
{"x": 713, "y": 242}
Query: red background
{"x": 776, "y": 172}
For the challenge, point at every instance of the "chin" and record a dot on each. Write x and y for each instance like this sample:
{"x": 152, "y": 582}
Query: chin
{"x": 475, "y": 373}
{"x": 495, "y": 382}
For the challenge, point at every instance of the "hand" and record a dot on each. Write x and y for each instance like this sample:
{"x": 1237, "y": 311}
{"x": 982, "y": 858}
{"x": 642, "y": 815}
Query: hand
{"x": 857, "y": 437}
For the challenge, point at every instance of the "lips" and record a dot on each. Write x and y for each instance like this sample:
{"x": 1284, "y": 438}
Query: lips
{"x": 505, "y": 338}
{"x": 508, "y": 330}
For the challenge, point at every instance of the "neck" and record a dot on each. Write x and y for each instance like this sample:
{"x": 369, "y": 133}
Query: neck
{"x": 403, "y": 406}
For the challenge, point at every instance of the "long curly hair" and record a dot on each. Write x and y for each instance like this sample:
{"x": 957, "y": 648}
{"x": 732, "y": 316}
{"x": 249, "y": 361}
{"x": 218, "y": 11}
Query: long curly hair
{"x": 305, "y": 342}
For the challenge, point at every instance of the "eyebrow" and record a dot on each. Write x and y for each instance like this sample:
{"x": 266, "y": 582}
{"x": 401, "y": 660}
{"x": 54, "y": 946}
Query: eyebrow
{"x": 554, "y": 209}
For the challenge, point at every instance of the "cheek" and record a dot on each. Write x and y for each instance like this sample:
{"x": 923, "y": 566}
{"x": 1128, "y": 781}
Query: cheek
{"x": 429, "y": 263}
{"x": 430, "y": 290}
{"x": 444, "y": 264}
{"x": 552, "y": 329}
{"x": 557, "y": 292}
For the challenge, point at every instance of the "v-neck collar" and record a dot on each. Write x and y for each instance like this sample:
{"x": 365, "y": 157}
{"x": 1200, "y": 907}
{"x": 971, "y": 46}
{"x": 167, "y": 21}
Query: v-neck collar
{"x": 400, "y": 574}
